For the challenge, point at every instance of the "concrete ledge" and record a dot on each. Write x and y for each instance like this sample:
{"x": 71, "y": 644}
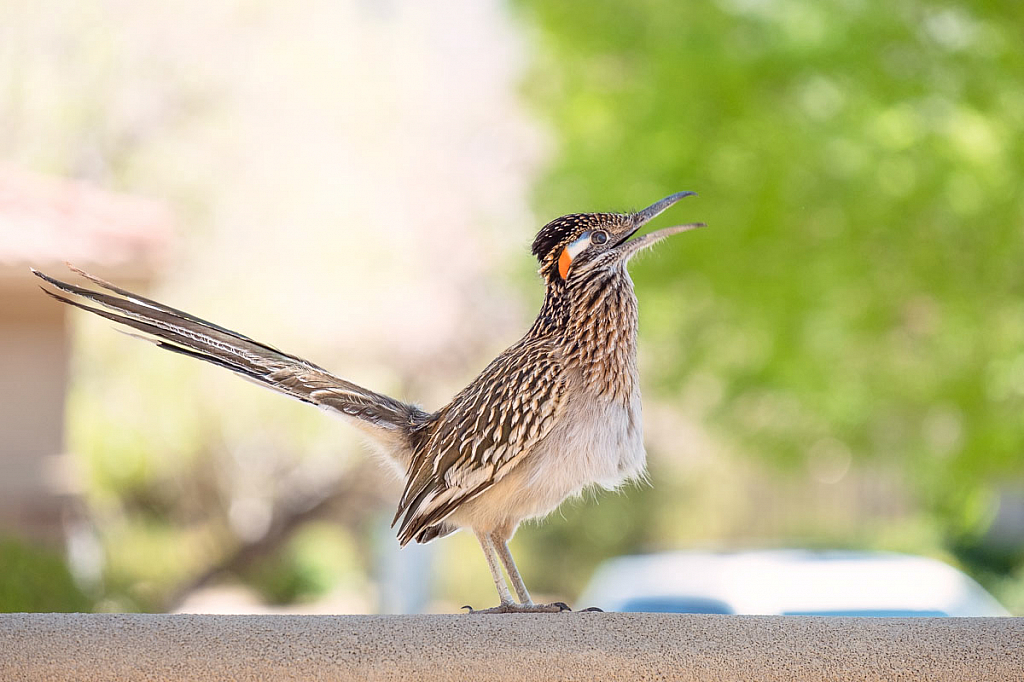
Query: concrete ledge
{"x": 571, "y": 646}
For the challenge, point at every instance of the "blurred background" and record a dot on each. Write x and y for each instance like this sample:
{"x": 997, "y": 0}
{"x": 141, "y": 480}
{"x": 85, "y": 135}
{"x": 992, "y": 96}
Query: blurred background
{"x": 837, "y": 362}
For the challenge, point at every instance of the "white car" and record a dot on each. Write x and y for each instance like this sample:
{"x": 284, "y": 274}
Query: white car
{"x": 787, "y": 582}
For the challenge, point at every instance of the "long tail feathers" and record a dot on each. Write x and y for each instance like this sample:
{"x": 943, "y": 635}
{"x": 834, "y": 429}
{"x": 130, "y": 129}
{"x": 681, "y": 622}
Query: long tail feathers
{"x": 186, "y": 334}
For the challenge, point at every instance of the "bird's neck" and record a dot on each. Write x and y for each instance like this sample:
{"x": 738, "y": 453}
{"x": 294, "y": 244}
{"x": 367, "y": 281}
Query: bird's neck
{"x": 553, "y": 318}
{"x": 595, "y": 323}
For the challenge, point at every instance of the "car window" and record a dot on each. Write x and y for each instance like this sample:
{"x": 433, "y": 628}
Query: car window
{"x": 873, "y": 613}
{"x": 675, "y": 605}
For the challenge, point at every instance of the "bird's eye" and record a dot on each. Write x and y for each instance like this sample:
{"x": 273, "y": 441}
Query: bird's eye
{"x": 599, "y": 237}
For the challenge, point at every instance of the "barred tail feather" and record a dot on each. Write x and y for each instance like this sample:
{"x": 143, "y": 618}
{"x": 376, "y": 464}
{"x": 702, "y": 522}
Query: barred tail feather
{"x": 384, "y": 419}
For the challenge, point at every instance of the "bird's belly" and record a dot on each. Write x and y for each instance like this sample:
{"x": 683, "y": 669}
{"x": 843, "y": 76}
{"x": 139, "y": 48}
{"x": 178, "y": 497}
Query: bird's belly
{"x": 597, "y": 443}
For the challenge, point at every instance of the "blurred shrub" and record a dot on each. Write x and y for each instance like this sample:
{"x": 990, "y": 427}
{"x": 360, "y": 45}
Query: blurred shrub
{"x": 36, "y": 580}
{"x": 318, "y": 558}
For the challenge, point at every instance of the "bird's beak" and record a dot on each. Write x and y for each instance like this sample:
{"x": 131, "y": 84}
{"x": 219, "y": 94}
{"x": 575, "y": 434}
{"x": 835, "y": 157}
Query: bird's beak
{"x": 627, "y": 247}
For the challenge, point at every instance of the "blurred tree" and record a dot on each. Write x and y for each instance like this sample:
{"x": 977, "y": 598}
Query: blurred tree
{"x": 858, "y": 294}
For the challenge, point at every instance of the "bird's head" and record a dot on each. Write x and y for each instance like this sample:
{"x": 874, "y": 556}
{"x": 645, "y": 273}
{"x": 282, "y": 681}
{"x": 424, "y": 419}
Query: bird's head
{"x": 582, "y": 244}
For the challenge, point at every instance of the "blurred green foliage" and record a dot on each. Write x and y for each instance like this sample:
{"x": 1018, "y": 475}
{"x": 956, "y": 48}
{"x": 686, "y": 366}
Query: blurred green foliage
{"x": 859, "y": 287}
{"x": 36, "y": 579}
{"x": 318, "y": 558}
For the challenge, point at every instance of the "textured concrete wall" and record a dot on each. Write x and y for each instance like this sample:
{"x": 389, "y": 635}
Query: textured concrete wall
{"x": 573, "y": 646}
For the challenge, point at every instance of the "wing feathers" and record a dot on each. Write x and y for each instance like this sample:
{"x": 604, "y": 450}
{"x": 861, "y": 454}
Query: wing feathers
{"x": 482, "y": 434}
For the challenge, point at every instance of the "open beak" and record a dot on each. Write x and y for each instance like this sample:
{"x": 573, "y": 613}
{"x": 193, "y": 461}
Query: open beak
{"x": 628, "y": 248}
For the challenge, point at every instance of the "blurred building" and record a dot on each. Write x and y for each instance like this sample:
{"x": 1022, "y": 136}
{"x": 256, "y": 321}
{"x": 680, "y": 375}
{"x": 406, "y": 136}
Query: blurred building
{"x": 43, "y": 223}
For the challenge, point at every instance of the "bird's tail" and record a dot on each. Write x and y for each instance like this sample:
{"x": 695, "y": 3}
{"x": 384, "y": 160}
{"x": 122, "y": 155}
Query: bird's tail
{"x": 387, "y": 421}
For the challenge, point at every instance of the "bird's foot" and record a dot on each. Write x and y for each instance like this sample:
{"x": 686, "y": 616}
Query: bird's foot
{"x": 554, "y": 607}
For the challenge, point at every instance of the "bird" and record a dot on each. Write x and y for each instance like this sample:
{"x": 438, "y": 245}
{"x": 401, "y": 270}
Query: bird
{"x": 557, "y": 412}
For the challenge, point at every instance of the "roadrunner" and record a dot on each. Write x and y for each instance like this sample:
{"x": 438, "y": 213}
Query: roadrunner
{"x": 555, "y": 413}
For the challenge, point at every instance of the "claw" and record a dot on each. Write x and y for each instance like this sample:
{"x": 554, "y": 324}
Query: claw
{"x": 562, "y": 606}
{"x": 594, "y": 608}
{"x": 469, "y": 609}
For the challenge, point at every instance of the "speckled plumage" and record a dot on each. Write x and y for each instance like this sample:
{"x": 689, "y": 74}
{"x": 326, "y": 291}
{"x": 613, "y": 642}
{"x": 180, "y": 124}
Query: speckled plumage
{"x": 557, "y": 411}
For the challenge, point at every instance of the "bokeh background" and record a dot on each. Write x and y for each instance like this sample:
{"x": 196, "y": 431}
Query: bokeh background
{"x": 837, "y": 361}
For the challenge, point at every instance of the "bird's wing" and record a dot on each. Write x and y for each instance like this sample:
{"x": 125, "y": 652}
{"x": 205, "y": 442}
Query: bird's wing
{"x": 485, "y": 432}
{"x": 380, "y": 416}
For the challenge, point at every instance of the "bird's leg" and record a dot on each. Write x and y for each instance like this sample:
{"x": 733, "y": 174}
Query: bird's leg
{"x": 518, "y": 585}
{"x": 492, "y": 563}
{"x": 508, "y": 605}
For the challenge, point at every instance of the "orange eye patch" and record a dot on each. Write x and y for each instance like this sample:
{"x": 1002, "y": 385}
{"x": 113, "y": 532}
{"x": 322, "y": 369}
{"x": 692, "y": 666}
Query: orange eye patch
{"x": 564, "y": 261}
{"x": 570, "y": 252}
